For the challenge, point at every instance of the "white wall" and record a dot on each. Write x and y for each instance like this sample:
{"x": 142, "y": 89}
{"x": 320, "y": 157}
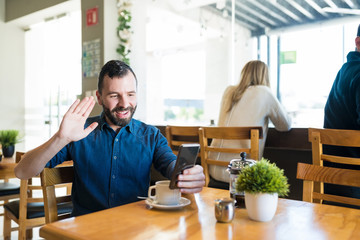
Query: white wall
{"x": 12, "y": 76}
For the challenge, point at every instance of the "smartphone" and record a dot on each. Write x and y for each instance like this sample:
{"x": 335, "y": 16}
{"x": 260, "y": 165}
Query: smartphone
{"x": 186, "y": 159}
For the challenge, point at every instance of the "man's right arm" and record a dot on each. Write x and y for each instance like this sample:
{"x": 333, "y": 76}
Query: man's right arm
{"x": 33, "y": 162}
{"x": 71, "y": 129}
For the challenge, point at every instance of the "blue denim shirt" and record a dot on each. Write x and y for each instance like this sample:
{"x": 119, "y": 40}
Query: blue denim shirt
{"x": 113, "y": 169}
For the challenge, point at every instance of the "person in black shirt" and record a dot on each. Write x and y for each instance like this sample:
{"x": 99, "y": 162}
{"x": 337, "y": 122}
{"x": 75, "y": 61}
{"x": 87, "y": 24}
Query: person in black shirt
{"x": 342, "y": 111}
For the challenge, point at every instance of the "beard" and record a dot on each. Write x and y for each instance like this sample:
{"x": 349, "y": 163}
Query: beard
{"x": 121, "y": 122}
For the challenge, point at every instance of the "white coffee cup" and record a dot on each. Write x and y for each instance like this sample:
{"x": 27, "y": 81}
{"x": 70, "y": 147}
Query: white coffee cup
{"x": 163, "y": 194}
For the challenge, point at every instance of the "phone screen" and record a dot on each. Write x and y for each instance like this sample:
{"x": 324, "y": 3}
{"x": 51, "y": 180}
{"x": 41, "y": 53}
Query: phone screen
{"x": 186, "y": 159}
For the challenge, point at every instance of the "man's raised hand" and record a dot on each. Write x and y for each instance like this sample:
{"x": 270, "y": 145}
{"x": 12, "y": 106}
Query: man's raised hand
{"x": 72, "y": 125}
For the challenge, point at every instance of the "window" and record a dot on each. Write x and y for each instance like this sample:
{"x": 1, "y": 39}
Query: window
{"x": 190, "y": 65}
{"x": 184, "y": 88}
{"x": 53, "y": 75}
{"x": 306, "y": 79}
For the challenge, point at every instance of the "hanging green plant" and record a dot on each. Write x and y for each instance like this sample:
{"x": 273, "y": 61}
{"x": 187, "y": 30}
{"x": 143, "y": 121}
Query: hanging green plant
{"x": 124, "y": 30}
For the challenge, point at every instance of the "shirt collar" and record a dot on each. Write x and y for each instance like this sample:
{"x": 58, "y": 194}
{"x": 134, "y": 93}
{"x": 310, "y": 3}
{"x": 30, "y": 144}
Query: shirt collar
{"x": 102, "y": 121}
{"x": 353, "y": 56}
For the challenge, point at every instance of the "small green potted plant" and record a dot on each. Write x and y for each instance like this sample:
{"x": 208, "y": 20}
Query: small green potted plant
{"x": 8, "y": 139}
{"x": 262, "y": 183}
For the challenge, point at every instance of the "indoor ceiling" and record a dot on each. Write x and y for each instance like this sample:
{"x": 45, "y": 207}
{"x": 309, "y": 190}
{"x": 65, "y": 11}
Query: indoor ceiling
{"x": 263, "y": 16}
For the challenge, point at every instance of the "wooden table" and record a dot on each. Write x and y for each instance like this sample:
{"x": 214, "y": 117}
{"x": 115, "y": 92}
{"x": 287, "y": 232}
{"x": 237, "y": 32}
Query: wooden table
{"x": 293, "y": 220}
{"x": 7, "y": 166}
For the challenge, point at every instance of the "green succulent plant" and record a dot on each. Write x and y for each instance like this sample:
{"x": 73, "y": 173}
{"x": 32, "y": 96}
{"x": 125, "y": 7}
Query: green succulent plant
{"x": 9, "y": 137}
{"x": 263, "y": 177}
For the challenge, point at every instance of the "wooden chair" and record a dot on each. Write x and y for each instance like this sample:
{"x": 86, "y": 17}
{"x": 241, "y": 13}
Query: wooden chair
{"x": 10, "y": 191}
{"x": 28, "y": 212}
{"x": 253, "y": 134}
{"x": 50, "y": 179}
{"x": 335, "y": 137}
{"x": 18, "y": 156}
{"x": 314, "y": 173}
{"x": 177, "y": 135}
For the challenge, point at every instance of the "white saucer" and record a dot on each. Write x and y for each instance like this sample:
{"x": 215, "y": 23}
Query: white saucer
{"x": 183, "y": 202}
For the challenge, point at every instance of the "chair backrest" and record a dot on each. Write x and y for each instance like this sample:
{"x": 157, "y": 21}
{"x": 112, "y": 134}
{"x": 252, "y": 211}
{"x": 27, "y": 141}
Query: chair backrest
{"x": 9, "y": 190}
{"x": 206, "y": 134}
{"x": 31, "y": 187}
{"x": 18, "y": 156}
{"x": 336, "y": 137}
{"x": 314, "y": 173}
{"x": 52, "y": 178}
{"x": 177, "y": 135}
{"x": 28, "y": 195}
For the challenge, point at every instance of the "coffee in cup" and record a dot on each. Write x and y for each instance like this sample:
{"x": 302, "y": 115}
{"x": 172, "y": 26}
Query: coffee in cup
{"x": 163, "y": 194}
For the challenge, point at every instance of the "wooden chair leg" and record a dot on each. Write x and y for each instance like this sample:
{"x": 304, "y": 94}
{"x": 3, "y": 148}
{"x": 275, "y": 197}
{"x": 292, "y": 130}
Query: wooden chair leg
{"x": 7, "y": 227}
{"x": 29, "y": 233}
{"x": 22, "y": 232}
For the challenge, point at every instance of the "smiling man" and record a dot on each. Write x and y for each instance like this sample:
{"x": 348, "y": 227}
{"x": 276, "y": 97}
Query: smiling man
{"x": 112, "y": 153}
{"x": 118, "y": 107}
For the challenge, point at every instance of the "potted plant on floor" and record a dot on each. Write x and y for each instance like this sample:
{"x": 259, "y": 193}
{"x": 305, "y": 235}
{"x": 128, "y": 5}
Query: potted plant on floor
{"x": 8, "y": 139}
{"x": 262, "y": 183}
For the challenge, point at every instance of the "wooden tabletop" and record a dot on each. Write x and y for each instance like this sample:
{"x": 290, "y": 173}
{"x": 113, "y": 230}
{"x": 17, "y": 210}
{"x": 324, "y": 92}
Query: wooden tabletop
{"x": 293, "y": 220}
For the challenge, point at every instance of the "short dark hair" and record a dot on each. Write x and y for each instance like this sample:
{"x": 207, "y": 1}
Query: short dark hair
{"x": 114, "y": 68}
{"x": 358, "y": 33}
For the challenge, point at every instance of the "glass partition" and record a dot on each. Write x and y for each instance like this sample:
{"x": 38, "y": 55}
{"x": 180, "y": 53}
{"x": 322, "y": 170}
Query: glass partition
{"x": 193, "y": 54}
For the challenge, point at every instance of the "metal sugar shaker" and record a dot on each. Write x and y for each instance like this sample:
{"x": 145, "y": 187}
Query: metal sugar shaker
{"x": 224, "y": 209}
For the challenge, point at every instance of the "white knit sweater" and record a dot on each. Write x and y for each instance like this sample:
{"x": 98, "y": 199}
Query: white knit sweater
{"x": 255, "y": 108}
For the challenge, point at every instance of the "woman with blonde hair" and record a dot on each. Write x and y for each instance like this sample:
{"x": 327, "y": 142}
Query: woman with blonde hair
{"x": 250, "y": 103}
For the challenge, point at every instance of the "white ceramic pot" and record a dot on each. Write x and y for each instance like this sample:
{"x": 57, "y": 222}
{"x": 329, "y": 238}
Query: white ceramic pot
{"x": 261, "y": 206}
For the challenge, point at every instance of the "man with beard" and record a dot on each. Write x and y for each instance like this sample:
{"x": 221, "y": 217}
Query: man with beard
{"x": 112, "y": 153}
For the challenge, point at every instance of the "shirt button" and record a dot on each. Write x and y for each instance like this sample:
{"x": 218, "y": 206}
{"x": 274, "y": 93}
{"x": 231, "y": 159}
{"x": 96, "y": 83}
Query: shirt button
{"x": 113, "y": 176}
{"x": 116, "y": 140}
{"x": 114, "y": 157}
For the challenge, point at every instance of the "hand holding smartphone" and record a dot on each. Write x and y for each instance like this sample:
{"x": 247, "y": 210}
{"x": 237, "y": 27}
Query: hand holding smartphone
{"x": 186, "y": 159}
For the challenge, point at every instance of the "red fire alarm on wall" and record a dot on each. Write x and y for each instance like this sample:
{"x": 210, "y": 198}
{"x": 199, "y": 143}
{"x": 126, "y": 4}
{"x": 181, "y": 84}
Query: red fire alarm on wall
{"x": 92, "y": 16}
